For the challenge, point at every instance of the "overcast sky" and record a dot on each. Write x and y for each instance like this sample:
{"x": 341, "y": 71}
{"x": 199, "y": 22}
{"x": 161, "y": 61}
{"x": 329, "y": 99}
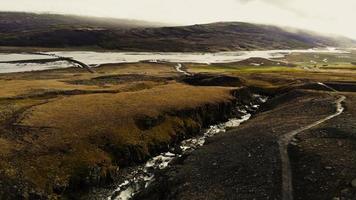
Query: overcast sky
{"x": 328, "y": 16}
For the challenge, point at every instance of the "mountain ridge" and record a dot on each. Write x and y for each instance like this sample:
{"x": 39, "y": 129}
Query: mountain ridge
{"x": 53, "y": 30}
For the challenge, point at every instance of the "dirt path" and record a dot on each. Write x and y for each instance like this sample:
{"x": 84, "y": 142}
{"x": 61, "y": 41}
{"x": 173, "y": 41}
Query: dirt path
{"x": 284, "y": 141}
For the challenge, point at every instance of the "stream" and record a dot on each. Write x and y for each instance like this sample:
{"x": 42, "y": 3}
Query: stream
{"x": 142, "y": 176}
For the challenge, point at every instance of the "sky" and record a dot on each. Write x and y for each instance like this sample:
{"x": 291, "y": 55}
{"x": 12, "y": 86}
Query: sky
{"x": 325, "y": 16}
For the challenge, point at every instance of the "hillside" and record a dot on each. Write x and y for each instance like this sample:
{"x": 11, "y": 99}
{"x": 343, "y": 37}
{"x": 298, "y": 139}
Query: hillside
{"x": 223, "y": 36}
{"x": 12, "y": 22}
{"x": 48, "y": 30}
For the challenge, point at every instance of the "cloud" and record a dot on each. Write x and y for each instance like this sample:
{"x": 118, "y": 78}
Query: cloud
{"x": 280, "y": 4}
{"x": 244, "y": 1}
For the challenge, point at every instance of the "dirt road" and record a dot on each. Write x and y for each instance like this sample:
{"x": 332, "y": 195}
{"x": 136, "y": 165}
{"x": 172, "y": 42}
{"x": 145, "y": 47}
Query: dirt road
{"x": 284, "y": 142}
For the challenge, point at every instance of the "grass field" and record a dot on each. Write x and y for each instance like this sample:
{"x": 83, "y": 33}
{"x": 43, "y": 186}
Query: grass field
{"x": 324, "y": 61}
{"x": 294, "y": 68}
{"x": 242, "y": 69}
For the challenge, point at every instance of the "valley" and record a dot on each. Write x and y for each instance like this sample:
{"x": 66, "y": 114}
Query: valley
{"x": 70, "y": 134}
{"x": 239, "y": 106}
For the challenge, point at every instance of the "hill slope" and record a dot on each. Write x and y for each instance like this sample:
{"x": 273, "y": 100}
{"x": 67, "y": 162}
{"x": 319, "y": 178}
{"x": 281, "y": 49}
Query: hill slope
{"x": 11, "y": 22}
{"x": 26, "y": 29}
{"x": 223, "y": 36}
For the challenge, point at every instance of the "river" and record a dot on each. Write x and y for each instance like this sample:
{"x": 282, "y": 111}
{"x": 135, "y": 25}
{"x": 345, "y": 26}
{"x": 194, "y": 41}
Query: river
{"x": 94, "y": 59}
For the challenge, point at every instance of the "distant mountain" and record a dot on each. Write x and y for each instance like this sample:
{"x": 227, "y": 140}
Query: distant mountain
{"x": 11, "y": 22}
{"x": 49, "y": 30}
{"x": 223, "y": 36}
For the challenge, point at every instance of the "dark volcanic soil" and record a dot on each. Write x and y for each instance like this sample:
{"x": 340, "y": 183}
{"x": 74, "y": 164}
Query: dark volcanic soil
{"x": 245, "y": 163}
{"x": 212, "y": 80}
{"x": 324, "y": 160}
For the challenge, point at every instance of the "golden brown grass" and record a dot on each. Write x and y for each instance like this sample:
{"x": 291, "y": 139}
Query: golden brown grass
{"x": 51, "y": 140}
{"x": 116, "y": 111}
{"x": 21, "y": 84}
{"x": 274, "y": 77}
{"x": 139, "y": 68}
{"x": 69, "y": 134}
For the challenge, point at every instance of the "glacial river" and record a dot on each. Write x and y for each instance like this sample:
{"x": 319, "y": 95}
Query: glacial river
{"x": 98, "y": 58}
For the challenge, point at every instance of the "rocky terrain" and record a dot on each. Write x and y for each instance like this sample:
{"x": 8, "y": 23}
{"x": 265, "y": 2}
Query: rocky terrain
{"x": 245, "y": 163}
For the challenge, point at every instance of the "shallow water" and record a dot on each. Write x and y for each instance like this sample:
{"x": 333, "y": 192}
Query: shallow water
{"x": 6, "y": 57}
{"x": 98, "y": 58}
{"x": 25, "y": 67}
